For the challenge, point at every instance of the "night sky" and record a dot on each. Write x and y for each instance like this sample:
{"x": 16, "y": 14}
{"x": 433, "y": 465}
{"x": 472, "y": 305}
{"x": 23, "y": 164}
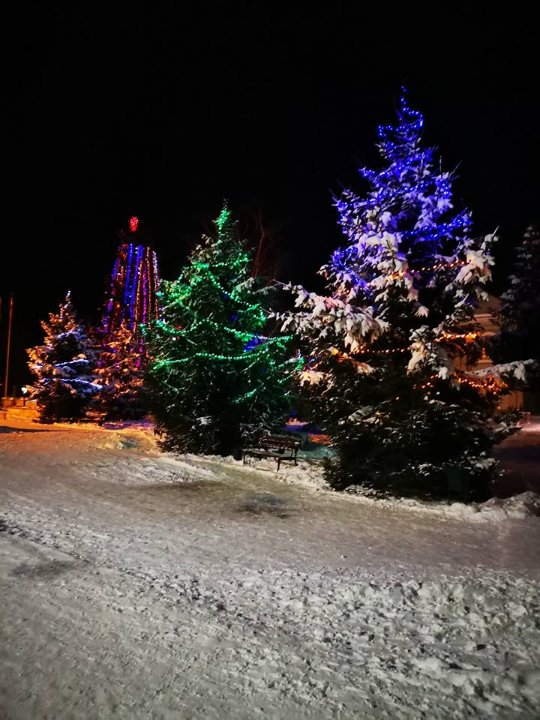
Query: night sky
{"x": 163, "y": 109}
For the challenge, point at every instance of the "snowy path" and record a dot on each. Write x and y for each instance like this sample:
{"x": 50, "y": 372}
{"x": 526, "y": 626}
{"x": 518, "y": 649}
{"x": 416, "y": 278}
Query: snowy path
{"x": 134, "y": 585}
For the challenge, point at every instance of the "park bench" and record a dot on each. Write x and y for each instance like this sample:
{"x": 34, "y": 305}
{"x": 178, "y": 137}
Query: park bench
{"x": 282, "y": 448}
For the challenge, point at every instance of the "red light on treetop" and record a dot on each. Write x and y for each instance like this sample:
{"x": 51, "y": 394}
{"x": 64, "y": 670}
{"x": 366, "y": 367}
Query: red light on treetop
{"x": 133, "y": 224}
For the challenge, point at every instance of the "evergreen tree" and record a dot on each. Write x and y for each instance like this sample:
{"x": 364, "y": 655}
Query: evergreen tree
{"x": 519, "y": 315}
{"x": 63, "y": 367}
{"x": 119, "y": 372}
{"x": 213, "y": 378}
{"x": 393, "y": 341}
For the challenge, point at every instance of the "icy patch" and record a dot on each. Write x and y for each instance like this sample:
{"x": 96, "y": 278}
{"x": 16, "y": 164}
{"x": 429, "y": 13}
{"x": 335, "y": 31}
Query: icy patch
{"x": 261, "y": 503}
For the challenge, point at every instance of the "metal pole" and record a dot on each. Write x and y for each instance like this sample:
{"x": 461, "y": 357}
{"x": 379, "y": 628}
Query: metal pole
{"x": 8, "y": 349}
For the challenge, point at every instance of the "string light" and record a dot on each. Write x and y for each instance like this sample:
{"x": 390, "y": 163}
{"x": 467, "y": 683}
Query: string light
{"x": 468, "y": 336}
{"x": 428, "y": 384}
{"x": 214, "y": 299}
{"x": 263, "y": 349}
{"x": 440, "y": 266}
{"x": 487, "y": 384}
{"x": 387, "y": 351}
{"x": 133, "y": 291}
{"x": 427, "y": 268}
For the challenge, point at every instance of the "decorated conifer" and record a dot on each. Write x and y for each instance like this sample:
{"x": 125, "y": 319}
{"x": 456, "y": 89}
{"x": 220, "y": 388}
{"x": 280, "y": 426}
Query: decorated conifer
{"x": 119, "y": 372}
{"x": 519, "y": 315}
{"x": 393, "y": 341}
{"x": 63, "y": 367}
{"x": 214, "y": 379}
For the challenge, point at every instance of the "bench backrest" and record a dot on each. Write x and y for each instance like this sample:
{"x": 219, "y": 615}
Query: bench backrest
{"x": 281, "y": 441}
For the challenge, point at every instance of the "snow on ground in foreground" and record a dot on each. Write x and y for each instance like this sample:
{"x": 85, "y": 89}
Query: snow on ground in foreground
{"x": 137, "y": 585}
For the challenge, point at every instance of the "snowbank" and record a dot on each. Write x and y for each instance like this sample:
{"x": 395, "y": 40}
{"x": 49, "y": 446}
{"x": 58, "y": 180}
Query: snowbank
{"x": 309, "y": 475}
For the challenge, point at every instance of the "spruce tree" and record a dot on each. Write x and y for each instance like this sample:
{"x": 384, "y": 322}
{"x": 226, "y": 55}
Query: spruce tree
{"x": 63, "y": 367}
{"x": 214, "y": 380}
{"x": 519, "y": 314}
{"x": 119, "y": 372}
{"x": 392, "y": 343}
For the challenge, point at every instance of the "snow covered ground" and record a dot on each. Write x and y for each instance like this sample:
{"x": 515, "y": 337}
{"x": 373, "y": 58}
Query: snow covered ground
{"x": 137, "y": 585}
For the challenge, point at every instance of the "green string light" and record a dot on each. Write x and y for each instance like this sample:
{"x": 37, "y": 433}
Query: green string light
{"x": 210, "y": 358}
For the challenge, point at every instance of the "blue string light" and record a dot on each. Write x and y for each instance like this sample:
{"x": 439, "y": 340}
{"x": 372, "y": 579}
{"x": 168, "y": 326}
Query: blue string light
{"x": 410, "y": 198}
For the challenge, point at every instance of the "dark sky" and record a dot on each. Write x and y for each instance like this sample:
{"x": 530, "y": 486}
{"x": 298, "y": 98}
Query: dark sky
{"x": 162, "y": 109}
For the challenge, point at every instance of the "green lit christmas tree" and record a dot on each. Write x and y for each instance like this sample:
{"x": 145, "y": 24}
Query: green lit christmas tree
{"x": 214, "y": 380}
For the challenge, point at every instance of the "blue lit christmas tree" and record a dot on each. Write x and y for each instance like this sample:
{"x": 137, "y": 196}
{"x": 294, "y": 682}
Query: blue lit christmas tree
{"x": 214, "y": 378}
{"x": 393, "y": 341}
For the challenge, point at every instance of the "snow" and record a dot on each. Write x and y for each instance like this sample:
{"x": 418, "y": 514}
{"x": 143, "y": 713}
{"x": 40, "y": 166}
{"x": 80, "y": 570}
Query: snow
{"x": 137, "y": 584}
{"x": 309, "y": 475}
{"x": 531, "y": 426}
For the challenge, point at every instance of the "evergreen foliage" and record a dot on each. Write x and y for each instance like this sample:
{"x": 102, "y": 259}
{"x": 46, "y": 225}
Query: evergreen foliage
{"x": 119, "y": 372}
{"x": 214, "y": 380}
{"x": 519, "y": 315}
{"x": 63, "y": 366}
{"x": 393, "y": 341}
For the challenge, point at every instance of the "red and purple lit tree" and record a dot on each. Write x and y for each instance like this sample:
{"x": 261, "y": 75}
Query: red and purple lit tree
{"x": 131, "y": 304}
{"x": 131, "y": 299}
